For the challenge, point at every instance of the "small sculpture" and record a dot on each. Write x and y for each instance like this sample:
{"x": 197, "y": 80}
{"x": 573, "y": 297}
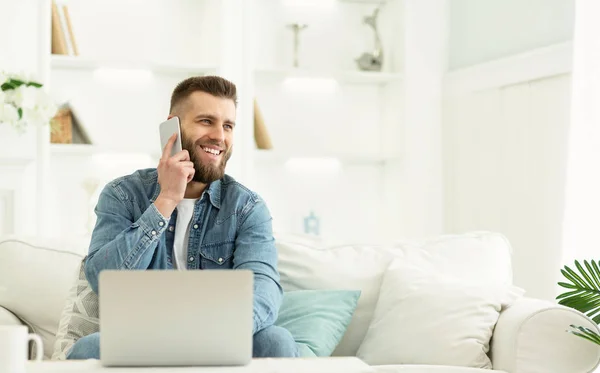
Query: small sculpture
{"x": 311, "y": 224}
{"x": 372, "y": 61}
{"x": 296, "y": 28}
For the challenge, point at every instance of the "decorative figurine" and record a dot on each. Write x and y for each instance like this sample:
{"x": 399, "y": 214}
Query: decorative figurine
{"x": 296, "y": 28}
{"x": 311, "y": 224}
{"x": 372, "y": 61}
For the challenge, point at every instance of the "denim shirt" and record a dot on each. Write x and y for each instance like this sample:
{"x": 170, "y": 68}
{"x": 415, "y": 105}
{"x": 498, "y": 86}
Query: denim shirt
{"x": 230, "y": 229}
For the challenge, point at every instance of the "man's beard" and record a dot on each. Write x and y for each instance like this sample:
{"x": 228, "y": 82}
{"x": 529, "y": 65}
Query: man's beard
{"x": 205, "y": 173}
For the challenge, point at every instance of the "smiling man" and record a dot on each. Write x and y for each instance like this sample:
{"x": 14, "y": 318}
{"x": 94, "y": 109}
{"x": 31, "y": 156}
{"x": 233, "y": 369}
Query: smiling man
{"x": 187, "y": 214}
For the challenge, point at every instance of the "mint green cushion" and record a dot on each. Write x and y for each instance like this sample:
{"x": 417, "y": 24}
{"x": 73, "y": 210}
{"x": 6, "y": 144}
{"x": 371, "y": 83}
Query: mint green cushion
{"x": 317, "y": 319}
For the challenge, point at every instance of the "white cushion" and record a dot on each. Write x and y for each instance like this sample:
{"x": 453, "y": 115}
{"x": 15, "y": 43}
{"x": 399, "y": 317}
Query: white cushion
{"x": 36, "y": 276}
{"x": 304, "y": 267}
{"x": 474, "y": 256}
{"x": 426, "y": 317}
{"x": 306, "y": 262}
{"x": 80, "y": 316}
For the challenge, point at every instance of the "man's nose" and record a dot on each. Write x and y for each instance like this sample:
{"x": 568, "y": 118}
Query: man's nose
{"x": 218, "y": 134}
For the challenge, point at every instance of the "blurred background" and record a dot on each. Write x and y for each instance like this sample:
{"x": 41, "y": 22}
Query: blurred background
{"x": 358, "y": 121}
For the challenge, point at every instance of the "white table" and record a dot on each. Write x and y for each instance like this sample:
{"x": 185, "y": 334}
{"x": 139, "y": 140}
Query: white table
{"x": 298, "y": 365}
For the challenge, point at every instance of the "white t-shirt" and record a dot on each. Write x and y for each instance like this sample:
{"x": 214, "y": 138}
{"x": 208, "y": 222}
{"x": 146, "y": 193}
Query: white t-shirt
{"x": 185, "y": 211}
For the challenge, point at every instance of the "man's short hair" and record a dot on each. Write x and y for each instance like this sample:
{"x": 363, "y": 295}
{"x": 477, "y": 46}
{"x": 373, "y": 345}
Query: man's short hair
{"x": 214, "y": 85}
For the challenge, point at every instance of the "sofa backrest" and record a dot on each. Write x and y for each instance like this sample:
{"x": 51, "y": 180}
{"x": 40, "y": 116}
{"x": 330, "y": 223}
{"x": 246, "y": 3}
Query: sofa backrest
{"x": 35, "y": 278}
{"x": 306, "y": 263}
{"x": 36, "y": 275}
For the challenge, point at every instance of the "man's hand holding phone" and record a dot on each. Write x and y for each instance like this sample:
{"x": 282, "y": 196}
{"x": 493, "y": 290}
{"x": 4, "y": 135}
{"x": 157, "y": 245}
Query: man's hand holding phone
{"x": 174, "y": 173}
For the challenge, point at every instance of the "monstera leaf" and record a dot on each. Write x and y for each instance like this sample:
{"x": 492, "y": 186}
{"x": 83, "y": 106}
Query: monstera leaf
{"x": 583, "y": 295}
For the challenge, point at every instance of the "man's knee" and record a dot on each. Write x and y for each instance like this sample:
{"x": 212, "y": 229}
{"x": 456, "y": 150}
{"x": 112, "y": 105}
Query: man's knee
{"x": 274, "y": 341}
{"x": 87, "y": 347}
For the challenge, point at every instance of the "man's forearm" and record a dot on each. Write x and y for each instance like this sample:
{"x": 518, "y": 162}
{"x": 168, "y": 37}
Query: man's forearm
{"x": 132, "y": 248}
{"x": 267, "y": 300}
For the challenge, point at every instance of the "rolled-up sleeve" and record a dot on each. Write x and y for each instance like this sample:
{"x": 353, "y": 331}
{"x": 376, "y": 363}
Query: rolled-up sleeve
{"x": 118, "y": 242}
{"x": 255, "y": 250}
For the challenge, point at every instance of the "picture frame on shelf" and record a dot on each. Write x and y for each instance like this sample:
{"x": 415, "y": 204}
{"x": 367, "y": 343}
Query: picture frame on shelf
{"x": 69, "y": 128}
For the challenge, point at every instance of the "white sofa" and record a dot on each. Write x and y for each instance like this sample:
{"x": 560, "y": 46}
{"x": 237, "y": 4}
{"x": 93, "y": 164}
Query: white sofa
{"x": 529, "y": 336}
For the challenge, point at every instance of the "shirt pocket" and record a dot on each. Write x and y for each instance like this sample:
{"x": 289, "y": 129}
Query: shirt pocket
{"x": 217, "y": 255}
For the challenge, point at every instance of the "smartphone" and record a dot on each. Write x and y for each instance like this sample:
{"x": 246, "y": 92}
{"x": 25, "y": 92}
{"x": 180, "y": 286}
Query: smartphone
{"x": 167, "y": 129}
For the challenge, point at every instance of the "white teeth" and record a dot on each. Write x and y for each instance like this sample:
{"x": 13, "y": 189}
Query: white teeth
{"x": 212, "y": 151}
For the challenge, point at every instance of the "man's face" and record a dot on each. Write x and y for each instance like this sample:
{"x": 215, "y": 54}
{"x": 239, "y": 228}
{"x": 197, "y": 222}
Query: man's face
{"x": 207, "y": 124}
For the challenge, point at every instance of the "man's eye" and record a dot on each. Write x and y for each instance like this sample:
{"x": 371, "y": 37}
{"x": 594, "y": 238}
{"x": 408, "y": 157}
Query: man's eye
{"x": 205, "y": 121}
{"x": 229, "y": 126}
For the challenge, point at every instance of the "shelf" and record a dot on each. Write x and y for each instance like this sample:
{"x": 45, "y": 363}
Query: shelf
{"x": 348, "y": 76}
{"x": 276, "y": 157}
{"x": 80, "y": 63}
{"x": 85, "y": 150}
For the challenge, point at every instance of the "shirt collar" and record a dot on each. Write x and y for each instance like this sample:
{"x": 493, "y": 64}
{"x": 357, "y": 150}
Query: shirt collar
{"x": 214, "y": 193}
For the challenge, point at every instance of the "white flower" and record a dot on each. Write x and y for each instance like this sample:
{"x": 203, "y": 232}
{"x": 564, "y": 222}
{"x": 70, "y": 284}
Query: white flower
{"x": 23, "y": 97}
{"x": 35, "y": 104}
{"x": 8, "y": 113}
{"x": 12, "y": 96}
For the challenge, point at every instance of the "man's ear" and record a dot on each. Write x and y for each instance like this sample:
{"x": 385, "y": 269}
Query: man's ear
{"x": 170, "y": 116}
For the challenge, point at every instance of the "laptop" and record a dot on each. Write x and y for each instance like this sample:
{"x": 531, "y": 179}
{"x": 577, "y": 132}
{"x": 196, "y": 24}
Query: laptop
{"x": 176, "y": 318}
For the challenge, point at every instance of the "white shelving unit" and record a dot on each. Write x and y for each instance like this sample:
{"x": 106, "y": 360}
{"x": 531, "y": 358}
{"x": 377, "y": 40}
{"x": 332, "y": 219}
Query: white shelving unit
{"x": 120, "y": 85}
{"x": 329, "y": 147}
{"x": 278, "y": 158}
{"x": 342, "y": 76}
{"x": 335, "y": 129}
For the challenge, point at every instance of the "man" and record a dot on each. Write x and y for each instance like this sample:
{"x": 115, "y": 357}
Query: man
{"x": 187, "y": 214}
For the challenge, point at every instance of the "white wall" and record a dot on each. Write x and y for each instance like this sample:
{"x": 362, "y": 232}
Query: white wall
{"x": 20, "y": 54}
{"x": 421, "y": 184}
{"x": 75, "y": 183}
{"x": 484, "y": 30}
{"x": 20, "y": 49}
{"x": 504, "y": 160}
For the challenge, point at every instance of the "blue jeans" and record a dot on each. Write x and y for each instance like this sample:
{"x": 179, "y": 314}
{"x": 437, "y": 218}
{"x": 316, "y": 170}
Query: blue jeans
{"x": 273, "y": 341}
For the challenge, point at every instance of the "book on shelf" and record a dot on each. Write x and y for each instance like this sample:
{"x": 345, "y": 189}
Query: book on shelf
{"x": 261, "y": 134}
{"x": 63, "y": 38}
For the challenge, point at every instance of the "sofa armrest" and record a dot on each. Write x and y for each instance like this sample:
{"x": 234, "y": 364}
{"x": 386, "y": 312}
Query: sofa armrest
{"x": 8, "y": 318}
{"x": 531, "y": 337}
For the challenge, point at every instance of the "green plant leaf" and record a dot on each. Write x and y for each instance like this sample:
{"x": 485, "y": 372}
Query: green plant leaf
{"x": 585, "y": 275}
{"x": 585, "y": 336}
{"x": 583, "y": 292}
{"x": 586, "y": 333}
{"x": 563, "y": 297}
{"x": 567, "y": 285}
{"x": 7, "y": 85}
{"x": 34, "y": 84}
{"x": 571, "y": 275}
{"x": 595, "y": 274}
{"x": 16, "y": 82}
{"x": 20, "y": 111}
